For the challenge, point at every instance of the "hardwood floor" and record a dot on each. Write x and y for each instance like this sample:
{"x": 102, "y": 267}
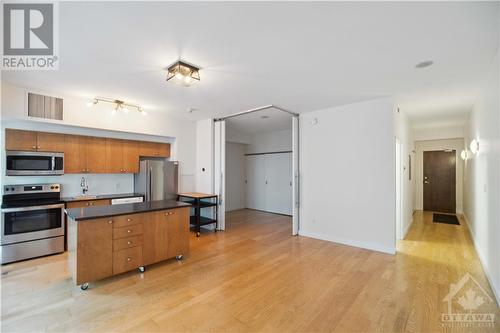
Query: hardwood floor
{"x": 255, "y": 277}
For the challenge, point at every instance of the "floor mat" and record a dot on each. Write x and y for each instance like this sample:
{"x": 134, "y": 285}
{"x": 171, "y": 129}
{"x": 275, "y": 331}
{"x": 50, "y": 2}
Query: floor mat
{"x": 443, "y": 218}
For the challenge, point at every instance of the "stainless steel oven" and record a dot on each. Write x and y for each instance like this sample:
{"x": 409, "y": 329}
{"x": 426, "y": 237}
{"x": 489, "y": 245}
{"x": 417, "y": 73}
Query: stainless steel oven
{"x": 32, "y": 221}
{"x": 32, "y": 163}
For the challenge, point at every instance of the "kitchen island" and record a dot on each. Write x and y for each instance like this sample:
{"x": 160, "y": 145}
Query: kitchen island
{"x": 108, "y": 240}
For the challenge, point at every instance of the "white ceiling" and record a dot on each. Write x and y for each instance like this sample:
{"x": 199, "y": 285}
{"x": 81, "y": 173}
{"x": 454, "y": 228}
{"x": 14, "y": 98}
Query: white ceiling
{"x": 302, "y": 56}
{"x": 252, "y": 123}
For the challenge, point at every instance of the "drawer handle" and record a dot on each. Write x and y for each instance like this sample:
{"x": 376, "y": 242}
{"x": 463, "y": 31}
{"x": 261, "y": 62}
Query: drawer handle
{"x": 110, "y": 221}
{"x": 34, "y": 147}
{"x": 128, "y": 220}
{"x": 129, "y": 242}
{"x": 86, "y": 204}
{"x": 129, "y": 231}
{"x": 128, "y": 259}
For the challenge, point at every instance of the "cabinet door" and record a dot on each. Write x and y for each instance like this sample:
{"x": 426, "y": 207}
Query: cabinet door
{"x": 20, "y": 140}
{"x": 96, "y": 155}
{"x": 154, "y": 248}
{"x": 163, "y": 149}
{"x": 75, "y": 154}
{"x": 178, "y": 232}
{"x": 114, "y": 156}
{"x": 94, "y": 250}
{"x": 148, "y": 148}
{"x": 130, "y": 156}
{"x": 50, "y": 142}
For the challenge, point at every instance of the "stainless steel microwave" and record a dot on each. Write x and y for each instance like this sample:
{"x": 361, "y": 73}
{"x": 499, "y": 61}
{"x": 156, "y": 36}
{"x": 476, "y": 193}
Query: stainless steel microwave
{"x": 27, "y": 163}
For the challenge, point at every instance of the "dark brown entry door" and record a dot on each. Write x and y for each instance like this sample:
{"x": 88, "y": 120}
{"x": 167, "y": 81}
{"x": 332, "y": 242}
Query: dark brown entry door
{"x": 439, "y": 181}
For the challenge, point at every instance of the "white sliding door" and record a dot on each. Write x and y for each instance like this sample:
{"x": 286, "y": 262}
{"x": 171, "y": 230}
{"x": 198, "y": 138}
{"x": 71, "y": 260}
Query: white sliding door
{"x": 256, "y": 182}
{"x": 279, "y": 179}
{"x": 220, "y": 170}
{"x": 295, "y": 173}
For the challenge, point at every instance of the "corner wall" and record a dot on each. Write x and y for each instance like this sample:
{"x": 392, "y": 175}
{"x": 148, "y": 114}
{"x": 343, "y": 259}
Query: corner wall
{"x": 482, "y": 183}
{"x": 347, "y": 175}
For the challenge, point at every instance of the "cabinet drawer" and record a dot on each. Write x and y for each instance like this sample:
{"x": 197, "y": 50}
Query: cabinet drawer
{"x": 126, "y": 260}
{"x": 125, "y": 243}
{"x": 126, "y": 220}
{"x": 131, "y": 230}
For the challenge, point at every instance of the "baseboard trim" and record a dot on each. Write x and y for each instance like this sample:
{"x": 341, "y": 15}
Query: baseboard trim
{"x": 363, "y": 245}
{"x": 405, "y": 232}
{"x": 482, "y": 260}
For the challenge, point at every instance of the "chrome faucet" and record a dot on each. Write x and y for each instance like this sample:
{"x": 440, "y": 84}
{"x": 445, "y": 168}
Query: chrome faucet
{"x": 84, "y": 185}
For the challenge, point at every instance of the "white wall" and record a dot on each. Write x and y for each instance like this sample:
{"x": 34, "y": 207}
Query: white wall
{"x": 266, "y": 142}
{"x": 404, "y": 133}
{"x": 438, "y": 132}
{"x": 204, "y": 156}
{"x": 347, "y": 175}
{"x": 235, "y": 176}
{"x": 78, "y": 119}
{"x": 482, "y": 185}
{"x": 430, "y": 145}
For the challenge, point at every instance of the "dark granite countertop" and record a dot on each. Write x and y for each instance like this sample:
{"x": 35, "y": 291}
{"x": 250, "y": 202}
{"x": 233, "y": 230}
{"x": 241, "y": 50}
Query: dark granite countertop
{"x": 95, "y": 212}
{"x": 103, "y": 196}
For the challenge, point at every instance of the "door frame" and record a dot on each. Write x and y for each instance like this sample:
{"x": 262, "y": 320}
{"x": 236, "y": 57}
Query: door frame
{"x": 220, "y": 162}
{"x": 399, "y": 189}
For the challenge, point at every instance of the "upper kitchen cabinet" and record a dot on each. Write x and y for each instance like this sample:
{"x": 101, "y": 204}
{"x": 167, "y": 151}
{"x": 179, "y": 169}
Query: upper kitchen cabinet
{"x": 154, "y": 149}
{"x": 84, "y": 154}
{"x": 122, "y": 156}
{"x": 29, "y": 140}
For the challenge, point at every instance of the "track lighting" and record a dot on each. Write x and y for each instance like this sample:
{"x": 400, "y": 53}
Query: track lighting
{"x": 119, "y": 105}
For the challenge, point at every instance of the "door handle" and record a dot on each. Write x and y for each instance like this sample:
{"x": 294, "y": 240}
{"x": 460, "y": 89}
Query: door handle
{"x": 426, "y": 182}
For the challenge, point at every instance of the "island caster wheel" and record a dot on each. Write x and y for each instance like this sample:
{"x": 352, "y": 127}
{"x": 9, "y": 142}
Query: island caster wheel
{"x": 198, "y": 234}
{"x": 85, "y": 286}
{"x": 142, "y": 269}
{"x": 179, "y": 257}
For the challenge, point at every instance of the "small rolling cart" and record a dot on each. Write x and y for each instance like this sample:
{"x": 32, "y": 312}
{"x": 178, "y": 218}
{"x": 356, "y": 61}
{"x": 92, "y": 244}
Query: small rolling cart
{"x": 200, "y": 201}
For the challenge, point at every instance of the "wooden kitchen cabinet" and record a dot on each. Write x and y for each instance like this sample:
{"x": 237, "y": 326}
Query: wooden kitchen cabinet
{"x": 52, "y": 142}
{"x": 167, "y": 235}
{"x": 88, "y": 203}
{"x": 35, "y": 141}
{"x": 84, "y": 154}
{"x": 102, "y": 247}
{"x": 75, "y": 160}
{"x": 94, "y": 250}
{"x": 154, "y": 149}
{"x": 95, "y": 154}
{"x": 122, "y": 156}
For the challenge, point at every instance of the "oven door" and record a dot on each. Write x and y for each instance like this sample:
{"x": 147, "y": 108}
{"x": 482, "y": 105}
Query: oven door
{"x": 24, "y": 163}
{"x": 22, "y": 224}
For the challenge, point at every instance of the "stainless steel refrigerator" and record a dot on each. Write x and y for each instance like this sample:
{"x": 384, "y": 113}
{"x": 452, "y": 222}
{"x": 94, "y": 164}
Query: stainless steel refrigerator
{"x": 157, "y": 179}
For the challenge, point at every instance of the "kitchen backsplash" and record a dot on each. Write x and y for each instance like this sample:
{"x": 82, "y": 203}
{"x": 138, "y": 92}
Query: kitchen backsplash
{"x": 98, "y": 183}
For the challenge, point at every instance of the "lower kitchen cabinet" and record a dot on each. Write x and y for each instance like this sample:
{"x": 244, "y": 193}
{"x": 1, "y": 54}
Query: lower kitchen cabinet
{"x": 103, "y": 247}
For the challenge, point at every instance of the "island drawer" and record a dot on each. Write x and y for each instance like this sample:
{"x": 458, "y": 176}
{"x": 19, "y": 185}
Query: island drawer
{"x": 126, "y": 220}
{"x": 125, "y": 243}
{"x": 131, "y": 230}
{"x": 126, "y": 260}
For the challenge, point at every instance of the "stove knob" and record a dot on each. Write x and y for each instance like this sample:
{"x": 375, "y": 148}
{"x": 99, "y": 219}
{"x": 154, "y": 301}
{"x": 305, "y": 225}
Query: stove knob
{"x": 6, "y": 189}
{"x": 52, "y": 187}
{"x": 12, "y": 189}
{"x": 57, "y": 187}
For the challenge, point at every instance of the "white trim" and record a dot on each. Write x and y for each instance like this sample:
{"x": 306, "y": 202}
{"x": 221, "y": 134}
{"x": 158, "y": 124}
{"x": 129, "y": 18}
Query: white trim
{"x": 364, "y": 245}
{"x": 405, "y": 232}
{"x": 483, "y": 261}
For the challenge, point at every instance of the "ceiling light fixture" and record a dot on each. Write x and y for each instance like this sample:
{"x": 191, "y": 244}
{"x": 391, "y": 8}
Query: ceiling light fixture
{"x": 183, "y": 73}
{"x": 119, "y": 105}
{"x": 424, "y": 64}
